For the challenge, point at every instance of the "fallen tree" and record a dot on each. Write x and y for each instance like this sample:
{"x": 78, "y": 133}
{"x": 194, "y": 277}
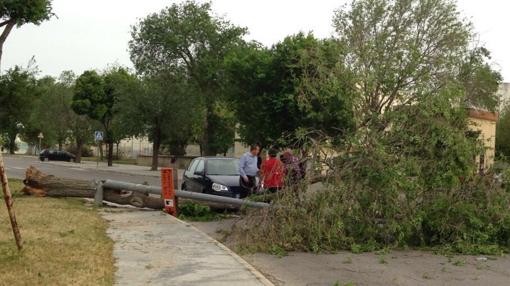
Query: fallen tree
{"x": 42, "y": 185}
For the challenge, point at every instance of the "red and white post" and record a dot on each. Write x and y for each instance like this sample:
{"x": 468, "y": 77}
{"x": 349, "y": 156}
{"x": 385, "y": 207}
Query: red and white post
{"x": 168, "y": 191}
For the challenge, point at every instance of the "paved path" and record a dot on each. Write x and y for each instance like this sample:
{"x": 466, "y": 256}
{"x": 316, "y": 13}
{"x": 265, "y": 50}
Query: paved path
{"x": 153, "y": 248}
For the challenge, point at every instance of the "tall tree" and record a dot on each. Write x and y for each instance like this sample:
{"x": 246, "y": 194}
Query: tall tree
{"x": 16, "y": 12}
{"x": 187, "y": 36}
{"x": 96, "y": 95}
{"x": 52, "y": 111}
{"x": 297, "y": 84}
{"x": 81, "y": 127}
{"x": 162, "y": 108}
{"x": 400, "y": 51}
{"x": 17, "y": 93}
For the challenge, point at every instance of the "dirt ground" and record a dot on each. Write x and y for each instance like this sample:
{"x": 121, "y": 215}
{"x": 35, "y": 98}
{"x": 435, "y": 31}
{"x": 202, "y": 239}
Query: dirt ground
{"x": 394, "y": 268}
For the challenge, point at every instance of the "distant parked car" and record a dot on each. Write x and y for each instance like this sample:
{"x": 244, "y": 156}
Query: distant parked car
{"x": 52, "y": 155}
{"x": 215, "y": 176}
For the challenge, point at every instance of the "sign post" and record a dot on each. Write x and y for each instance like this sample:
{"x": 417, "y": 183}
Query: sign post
{"x": 98, "y": 137}
{"x": 168, "y": 191}
{"x": 41, "y": 137}
{"x": 9, "y": 202}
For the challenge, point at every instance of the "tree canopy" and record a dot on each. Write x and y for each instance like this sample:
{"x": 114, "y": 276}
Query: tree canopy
{"x": 96, "y": 95}
{"x": 297, "y": 84}
{"x": 188, "y": 37}
{"x": 15, "y": 12}
{"x": 17, "y": 93}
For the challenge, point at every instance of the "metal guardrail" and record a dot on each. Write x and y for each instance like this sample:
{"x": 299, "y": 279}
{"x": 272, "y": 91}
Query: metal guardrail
{"x": 118, "y": 185}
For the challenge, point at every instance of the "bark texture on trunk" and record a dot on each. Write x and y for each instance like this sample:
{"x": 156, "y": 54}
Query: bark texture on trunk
{"x": 155, "y": 150}
{"x": 42, "y": 185}
{"x": 110, "y": 154}
{"x": 79, "y": 149}
{"x": 101, "y": 155}
{"x": 5, "y": 34}
{"x": 12, "y": 145}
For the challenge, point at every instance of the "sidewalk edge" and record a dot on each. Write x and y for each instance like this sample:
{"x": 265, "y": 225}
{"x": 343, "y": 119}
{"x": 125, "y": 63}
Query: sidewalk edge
{"x": 238, "y": 258}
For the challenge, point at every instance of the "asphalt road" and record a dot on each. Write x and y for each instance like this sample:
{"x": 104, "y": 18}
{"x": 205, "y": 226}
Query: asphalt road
{"x": 16, "y": 166}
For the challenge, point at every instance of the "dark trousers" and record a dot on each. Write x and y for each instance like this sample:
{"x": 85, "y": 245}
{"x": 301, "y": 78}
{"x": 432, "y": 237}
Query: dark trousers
{"x": 250, "y": 185}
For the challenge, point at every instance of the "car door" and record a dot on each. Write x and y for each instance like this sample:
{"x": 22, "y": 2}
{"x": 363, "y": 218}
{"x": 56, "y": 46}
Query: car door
{"x": 188, "y": 175}
{"x": 198, "y": 178}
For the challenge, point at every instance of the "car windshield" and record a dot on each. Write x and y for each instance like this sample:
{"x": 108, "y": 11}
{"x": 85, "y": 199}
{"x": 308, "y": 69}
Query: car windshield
{"x": 223, "y": 167}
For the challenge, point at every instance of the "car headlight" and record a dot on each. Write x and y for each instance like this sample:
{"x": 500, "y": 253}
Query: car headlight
{"x": 219, "y": 187}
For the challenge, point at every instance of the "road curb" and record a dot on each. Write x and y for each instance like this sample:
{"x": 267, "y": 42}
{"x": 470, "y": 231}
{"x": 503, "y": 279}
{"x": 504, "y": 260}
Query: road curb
{"x": 260, "y": 277}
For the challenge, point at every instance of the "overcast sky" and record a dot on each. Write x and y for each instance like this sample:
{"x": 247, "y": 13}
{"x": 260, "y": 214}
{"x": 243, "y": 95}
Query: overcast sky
{"x": 90, "y": 34}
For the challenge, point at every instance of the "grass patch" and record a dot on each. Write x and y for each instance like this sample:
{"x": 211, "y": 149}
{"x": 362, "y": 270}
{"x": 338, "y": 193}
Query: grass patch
{"x": 65, "y": 243}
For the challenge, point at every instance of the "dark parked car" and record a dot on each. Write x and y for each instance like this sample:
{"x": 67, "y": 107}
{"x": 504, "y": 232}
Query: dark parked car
{"x": 52, "y": 155}
{"x": 214, "y": 175}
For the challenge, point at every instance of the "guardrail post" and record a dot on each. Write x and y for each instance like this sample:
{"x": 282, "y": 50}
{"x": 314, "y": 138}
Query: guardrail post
{"x": 98, "y": 197}
{"x": 168, "y": 191}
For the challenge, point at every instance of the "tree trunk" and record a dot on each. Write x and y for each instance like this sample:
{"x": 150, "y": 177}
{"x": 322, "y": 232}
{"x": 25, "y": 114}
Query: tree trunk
{"x": 5, "y": 34}
{"x": 79, "y": 149}
{"x": 207, "y": 136}
{"x": 101, "y": 155}
{"x": 60, "y": 144}
{"x": 12, "y": 145}
{"x": 42, "y": 185}
{"x": 155, "y": 149}
{"x": 110, "y": 154}
{"x": 117, "y": 150}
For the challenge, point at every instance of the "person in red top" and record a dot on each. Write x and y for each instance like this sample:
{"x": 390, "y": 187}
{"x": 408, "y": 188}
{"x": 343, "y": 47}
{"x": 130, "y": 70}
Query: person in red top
{"x": 272, "y": 172}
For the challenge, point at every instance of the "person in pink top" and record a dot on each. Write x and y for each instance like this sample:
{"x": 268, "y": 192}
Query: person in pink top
{"x": 272, "y": 172}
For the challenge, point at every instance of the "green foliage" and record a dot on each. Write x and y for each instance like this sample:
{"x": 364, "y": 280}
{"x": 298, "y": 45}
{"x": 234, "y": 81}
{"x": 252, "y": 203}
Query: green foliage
{"x": 503, "y": 134}
{"x": 90, "y": 97}
{"x": 18, "y": 90}
{"x": 22, "y": 12}
{"x": 406, "y": 176}
{"x": 162, "y": 108}
{"x": 52, "y": 113}
{"x": 187, "y": 38}
{"x": 298, "y": 83}
{"x": 197, "y": 212}
{"x": 96, "y": 96}
{"x": 480, "y": 81}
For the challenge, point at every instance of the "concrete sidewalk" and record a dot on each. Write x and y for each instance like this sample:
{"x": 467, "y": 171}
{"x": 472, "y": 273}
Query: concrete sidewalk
{"x": 154, "y": 248}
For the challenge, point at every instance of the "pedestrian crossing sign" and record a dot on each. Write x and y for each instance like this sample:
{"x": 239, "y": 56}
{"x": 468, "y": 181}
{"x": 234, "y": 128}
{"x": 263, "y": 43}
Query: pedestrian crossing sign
{"x": 98, "y": 136}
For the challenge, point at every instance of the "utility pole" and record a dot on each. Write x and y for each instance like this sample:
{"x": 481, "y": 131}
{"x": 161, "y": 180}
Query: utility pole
{"x": 9, "y": 202}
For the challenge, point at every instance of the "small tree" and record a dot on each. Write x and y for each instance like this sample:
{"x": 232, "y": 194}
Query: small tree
{"x": 17, "y": 92}
{"x": 13, "y": 12}
{"x": 95, "y": 96}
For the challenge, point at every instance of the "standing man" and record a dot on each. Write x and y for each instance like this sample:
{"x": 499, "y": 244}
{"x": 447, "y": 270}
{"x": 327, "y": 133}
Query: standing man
{"x": 248, "y": 168}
